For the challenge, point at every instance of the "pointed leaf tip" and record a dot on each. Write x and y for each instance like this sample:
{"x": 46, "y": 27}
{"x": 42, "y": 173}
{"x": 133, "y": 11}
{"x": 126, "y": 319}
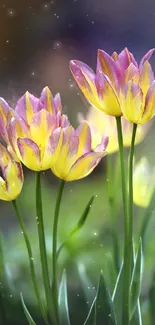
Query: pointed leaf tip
{"x": 26, "y": 312}
{"x": 63, "y": 301}
{"x": 136, "y": 280}
{"x": 104, "y": 304}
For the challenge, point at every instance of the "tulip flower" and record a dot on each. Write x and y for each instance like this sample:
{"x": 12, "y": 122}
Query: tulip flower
{"x": 104, "y": 125}
{"x": 11, "y": 179}
{"x": 31, "y": 128}
{"x": 143, "y": 183}
{"x": 120, "y": 86}
{"x": 76, "y": 159}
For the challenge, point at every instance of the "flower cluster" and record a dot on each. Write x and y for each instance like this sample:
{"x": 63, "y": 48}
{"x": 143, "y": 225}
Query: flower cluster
{"x": 120, "y": 86}
{"x": 143, "y": 183}
{"x": 40, "y": 136}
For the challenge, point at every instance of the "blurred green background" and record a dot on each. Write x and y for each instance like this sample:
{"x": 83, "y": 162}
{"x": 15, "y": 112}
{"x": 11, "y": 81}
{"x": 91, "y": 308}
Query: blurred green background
{"x": 37, "y": 40}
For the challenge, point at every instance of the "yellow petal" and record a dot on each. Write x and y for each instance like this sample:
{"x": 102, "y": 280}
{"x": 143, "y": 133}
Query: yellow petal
{"x": 67, "y": 154}
{"x": 131, "y": 102}
{"x": 29, "y": 154}
{"x": 3, "y": 191}
{"x": 84, "y": 166}
{"x": 14, "y": 179}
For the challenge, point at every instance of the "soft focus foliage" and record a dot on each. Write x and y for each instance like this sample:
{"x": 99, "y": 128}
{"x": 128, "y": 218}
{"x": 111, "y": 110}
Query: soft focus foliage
{"x": 143, "y": 182}
{"x": 104, "y": 125}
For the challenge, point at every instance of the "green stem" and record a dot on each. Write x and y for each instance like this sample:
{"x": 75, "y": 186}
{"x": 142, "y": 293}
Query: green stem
{"x": 131, "y": 155}
{"x": 54, "y": 264}
{"x": 125, "y": 315}
{"x": 42, "y": 245}
{"x": 32, "y": 268}
{"x": 112, "y": 205}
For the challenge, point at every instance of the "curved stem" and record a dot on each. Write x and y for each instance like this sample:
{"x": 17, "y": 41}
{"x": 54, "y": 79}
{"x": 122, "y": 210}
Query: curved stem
{"x": 29, "y": 250}
{"x": 42, "y": 245}
{"x": 131, "y": 155}
{"x": 112, "y": 177}
{"x": 54, "y": 261}
{"x": 125, "y": 315}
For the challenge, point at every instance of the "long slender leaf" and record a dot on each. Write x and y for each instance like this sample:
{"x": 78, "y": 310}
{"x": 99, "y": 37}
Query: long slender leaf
{"x": 105, "y": 314}
{"x": 87, "y": 285}
{"x": 117, "y": 296}
{"x": 136, "y": 280}
{"x": 91, "y": 318}
{"x": 137, "y": 317}
{"x": 79, "y": 224}
{"x": 63, "y": 301}
{"x": 152, "y": 298}
{"x": 26, "y": 312}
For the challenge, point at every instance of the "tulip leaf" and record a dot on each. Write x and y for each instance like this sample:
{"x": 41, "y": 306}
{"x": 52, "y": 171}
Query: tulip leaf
{"x": 87, "y": 286}
{"x": 104, "y": 305}
{"x": 63, "y": 301}
{"x": 137, "y": 317}
{"x": 79, "y": 224}
{"x": 136, "y": 280}
{"x": 152, "y": 298}
{"x": 91, "y": 318}
{"x": 117, "y": 296}
{"x": 26, "y": 312}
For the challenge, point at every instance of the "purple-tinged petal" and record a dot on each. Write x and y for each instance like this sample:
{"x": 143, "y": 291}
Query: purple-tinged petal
{"x": 84, "y": 165}
{"x": 115, "y": 56}
{"x": 85, "y": 78}
{"x": 68, "y": 153}
{"x": 132, "y": 102}
{"x": 103, "y": 145}
{"x": 107, "y": 65}
{"x": 131, "y": 72}
{"x": 57, "y": 103}
{"x": 30, "y": 153}
{"x": 125, "y": 58}
{"x": 47, "y": 101}
{"x": 109, "y": 101}
{"x": 4, "y": 111}
{"x": 42, "y": 125}
{"x": 54, "y": 139}
{"x": 62, "y": 120}
{"x": 76, "y": 65}
{"x": 146, "y": 77}
{"x": 84, "y": 134}
{"x": 26, "y": 106}
{"x": 146, "y": 57}
{"x": 149, "y": 108}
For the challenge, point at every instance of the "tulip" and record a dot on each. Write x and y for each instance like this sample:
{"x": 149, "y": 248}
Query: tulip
{"x": 120, "y": 86}
{"x": 31, "y": 129}
{"x": 143, "y": 183}
{"x": 76, "y": 159}
{"x": 104, "y": 125}
{"x": 11, "y": 179}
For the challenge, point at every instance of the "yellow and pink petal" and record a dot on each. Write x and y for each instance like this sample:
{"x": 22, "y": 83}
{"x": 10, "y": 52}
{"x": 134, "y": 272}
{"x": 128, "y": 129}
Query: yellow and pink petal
{"x": 132, "y": 102}
{"x": 42, "y": 126}
{"x": 107, "y": 65}
{"x": 108, "y": 99}
{"x": 84, "y": 166}
{"x": 146, "y": 57}
{"x": 149, "y": 108}
{"x": 85, "y": 78}
{"x": 29, "y": 154}
{"x": 27, "y": 106}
